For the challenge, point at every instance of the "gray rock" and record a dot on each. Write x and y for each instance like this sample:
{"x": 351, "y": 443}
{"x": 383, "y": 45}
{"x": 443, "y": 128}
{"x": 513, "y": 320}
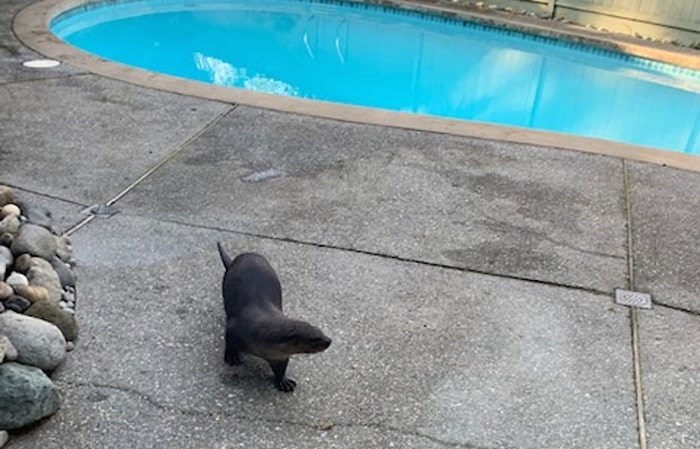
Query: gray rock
{"x": 6, "y": 239}
{"x": 7, "y": 195}
{"x": 7, "y": 349}
{"x": 16, "y": 279}
{"x": 38, "y": 342}
{"x": 17, "y": 304}
{"x": 4, "y": 436}
{"x": 70, "y": 346}
{"x": 26, "y": 394}
{"x": 37, "y": 215}
{"x": 42, "y": 274}
{"x": 35, "y": 240}
{"x": 65, "y": 274}
{"x": 23, "y": 263}
{"x": 56, "y": 315}
{"x": 64, "y": 249}
{"x": 10, "y": 225}
{"x": 6, "y": 260}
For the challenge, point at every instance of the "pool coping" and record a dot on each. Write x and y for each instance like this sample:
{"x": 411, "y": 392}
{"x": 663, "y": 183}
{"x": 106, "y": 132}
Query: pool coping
{"x": 31, "y": 27}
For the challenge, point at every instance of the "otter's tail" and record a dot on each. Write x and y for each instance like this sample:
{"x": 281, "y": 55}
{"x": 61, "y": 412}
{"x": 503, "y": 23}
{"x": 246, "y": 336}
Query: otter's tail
{"x": 225, "y": 258}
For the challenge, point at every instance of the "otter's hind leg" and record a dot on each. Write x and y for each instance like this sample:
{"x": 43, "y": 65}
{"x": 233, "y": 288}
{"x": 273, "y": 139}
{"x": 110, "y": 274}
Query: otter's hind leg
{"x": 283, "y": 383}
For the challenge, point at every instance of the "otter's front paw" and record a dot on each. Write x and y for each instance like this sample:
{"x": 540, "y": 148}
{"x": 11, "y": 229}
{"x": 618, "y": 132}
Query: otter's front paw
{"x": 232, "y": 358}
{"x": 287, "y": 385}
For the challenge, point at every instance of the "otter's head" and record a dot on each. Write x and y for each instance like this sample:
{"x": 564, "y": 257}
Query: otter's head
{"x": 297, "y": 337}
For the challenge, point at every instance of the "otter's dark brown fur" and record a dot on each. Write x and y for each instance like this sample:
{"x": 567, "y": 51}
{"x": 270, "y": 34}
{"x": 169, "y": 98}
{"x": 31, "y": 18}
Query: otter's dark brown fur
{"x": 255, "y": 323}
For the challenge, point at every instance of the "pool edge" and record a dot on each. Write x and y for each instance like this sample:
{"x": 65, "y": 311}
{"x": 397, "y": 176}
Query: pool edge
{"x": 31, "y": 27}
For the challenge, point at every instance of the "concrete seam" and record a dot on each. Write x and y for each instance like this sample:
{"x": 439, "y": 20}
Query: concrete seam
{"x": 45, "y": 195}
{"x": 193, "y": 412}
{"x": 170, "y": 156}
{"x": 152, "y": 170}
{"x": 386, "y": 256}
{"x": 634, "y": 318}
{"x": 677, "y": 308}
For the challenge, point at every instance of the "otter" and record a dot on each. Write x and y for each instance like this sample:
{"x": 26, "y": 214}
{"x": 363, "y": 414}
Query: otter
{"x": 255, "y": 323}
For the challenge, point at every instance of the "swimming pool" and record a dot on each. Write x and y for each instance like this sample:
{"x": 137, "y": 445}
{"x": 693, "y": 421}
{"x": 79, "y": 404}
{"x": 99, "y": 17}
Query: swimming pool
{"x": 399, "y": 60}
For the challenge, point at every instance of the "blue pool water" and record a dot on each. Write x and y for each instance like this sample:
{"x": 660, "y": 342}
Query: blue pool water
{"x": 404, "y": 61}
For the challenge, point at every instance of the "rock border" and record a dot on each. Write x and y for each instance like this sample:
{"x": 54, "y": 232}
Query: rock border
{"x": 37, "y": 311}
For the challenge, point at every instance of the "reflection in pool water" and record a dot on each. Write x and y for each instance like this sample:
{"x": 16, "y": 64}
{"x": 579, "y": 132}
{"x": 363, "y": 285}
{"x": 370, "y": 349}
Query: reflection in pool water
{"x": 224, "y": 74}
{"x": 403, "y": 61}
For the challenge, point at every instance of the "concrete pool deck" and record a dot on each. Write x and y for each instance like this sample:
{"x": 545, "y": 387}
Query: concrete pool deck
{"x": 467, "y": 283}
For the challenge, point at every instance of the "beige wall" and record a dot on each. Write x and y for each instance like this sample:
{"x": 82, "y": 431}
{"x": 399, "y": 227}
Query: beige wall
{"x": 677, "y": 20}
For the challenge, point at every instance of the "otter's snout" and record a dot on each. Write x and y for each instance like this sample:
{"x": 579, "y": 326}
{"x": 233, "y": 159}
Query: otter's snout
{"x": 320, "y": 343}
{"x": 326, "y": 343}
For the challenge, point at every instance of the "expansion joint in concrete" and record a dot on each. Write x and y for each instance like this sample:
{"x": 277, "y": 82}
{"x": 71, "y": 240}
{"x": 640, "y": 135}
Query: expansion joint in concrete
{"x": 677, "y": 308}
{"x": 387, "y": 256}
{"x": 155, "y": 167}
{"x": 634, "y": 314}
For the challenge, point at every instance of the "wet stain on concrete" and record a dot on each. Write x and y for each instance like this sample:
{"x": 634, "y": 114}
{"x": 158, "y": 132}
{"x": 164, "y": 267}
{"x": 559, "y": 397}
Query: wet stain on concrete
{"x": 503, "y": 256}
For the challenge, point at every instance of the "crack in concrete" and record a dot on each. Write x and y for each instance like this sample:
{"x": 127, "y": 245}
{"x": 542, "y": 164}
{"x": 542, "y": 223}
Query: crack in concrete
{"x": 150, "y": 400}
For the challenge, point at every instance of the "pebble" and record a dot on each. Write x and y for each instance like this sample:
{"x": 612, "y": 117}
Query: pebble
{"x": 10, "y": 210}
{"x": 38, "y": 342}
{"x": 42, "y": 274}
{"x": 70, "y": 346}
{"x": 6, "y": 239}
{"x": 6, "y": 260}
{"x": 23, "y": 263}
{"x": 65, "y": 274}
{"x": 56, "y": 315}
{"x": 64, "y": 249}
{"x": 7, "y": 349}
{"x": 325, "y": 425}
{"x": 33, "y": 293}
{"x": 10, "y": 225}
{"x": 15, "y": 279}
{"x": 4, "y": 436}
{"x": 5, "y": 291}
{"x": 35, "y": 240}
{"x": 7, "y": 196}
{"x": 17, "y": 303}
{"x": 38, "y": 215}
{"x": 27, "y": 395}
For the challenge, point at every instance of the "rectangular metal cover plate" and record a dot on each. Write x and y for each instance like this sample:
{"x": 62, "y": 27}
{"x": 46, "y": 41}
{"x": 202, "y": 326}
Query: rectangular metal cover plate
{"x": 633, "y": 299}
